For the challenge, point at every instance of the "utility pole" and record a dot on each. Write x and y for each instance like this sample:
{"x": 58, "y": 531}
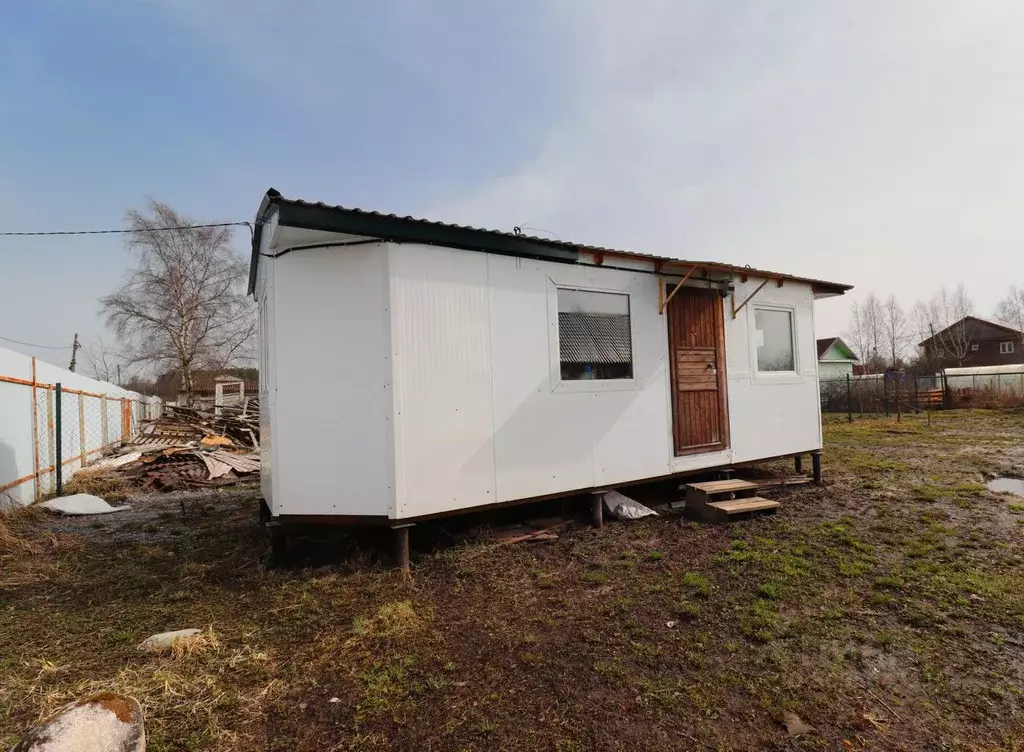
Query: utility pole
{"x": 119, "y": 374}
{"x": 74, "y": 353}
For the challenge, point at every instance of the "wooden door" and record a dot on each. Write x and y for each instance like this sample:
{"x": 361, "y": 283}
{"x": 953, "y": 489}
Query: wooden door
{"x": 696, "y": 336}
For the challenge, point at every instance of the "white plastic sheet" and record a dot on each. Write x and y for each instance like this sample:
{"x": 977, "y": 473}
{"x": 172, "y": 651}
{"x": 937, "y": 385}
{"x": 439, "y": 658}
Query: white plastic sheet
{"x": 80, "y": 504}
{"x": 624, "y": 508}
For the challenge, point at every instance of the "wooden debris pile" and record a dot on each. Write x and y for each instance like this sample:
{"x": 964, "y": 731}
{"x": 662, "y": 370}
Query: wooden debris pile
{"x": 187, "y": 449}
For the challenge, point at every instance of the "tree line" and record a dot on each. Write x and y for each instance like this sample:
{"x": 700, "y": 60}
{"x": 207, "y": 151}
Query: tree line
{"x": 885, "y": 335}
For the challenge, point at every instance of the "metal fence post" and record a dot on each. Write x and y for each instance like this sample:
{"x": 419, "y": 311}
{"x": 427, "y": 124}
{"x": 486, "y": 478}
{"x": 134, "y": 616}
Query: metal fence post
{"x": 899, "y": 413}
{"x": 58, "y": 462}
{"x": 849, "y": 401}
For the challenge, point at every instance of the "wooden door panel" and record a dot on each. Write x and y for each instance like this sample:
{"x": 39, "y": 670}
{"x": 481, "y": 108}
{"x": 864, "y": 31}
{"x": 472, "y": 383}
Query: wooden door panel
{"x": 697, "y": 358}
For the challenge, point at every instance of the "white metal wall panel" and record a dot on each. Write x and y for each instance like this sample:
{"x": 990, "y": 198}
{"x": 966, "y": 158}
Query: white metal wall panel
{"x": 541, "y": 445}
{"x": 551, "y": 440}
{"x": 264, "y": 294}
{"x": 16, "y": 438}
{"x": 268, "y": 382}
{"x": 772, "y": 415}
{"x": 453, "y": 378}
{"x": 440, "y": 334}
{"x": 332, "y": 437}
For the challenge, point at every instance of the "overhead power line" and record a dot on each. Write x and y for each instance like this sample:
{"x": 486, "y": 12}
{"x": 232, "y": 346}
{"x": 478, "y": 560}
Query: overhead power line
{"x": 40, "y": 347}
{"x": 122, "y": 231}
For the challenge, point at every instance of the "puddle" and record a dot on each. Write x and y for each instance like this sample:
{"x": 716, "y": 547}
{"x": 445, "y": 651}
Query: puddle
{"x": 1007, "y": 485}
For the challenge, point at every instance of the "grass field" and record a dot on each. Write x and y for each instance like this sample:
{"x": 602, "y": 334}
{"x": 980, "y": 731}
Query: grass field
{"x": 886, "y": 609}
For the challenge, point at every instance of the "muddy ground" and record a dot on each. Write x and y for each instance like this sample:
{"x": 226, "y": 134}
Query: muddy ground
{"x": 885, "y": 609}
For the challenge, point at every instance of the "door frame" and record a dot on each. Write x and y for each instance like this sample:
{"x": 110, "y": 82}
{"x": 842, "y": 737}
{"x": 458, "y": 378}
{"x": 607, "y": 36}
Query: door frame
{"x": 720, "y": 367}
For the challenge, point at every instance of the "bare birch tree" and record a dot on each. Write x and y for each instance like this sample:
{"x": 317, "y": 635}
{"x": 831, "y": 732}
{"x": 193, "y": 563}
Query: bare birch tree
{"x": 896, "y": 330}
{"x": 183, "y": 306}
{"x": 1010, "y": 310}
{"x": 102, "y": 359}
{"x": 945, "y": 314}
{"x": 867, "y": 331}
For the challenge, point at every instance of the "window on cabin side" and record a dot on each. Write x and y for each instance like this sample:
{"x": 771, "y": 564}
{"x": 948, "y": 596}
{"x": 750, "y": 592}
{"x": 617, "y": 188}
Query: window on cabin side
{"x": 974, "y": 347}
{"x": 1005, "y": 348}
{"x": 594, "y": 336}
{"x": 774, "y": 333}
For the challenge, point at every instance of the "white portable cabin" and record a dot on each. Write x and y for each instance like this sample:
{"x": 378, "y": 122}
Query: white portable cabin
{"x": 411, "y": 369}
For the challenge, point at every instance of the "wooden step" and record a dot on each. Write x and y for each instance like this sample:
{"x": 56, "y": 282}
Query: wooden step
{"x": 722, "y": 486}
{"x": 789, "y": 480}
{"x": 740, "y": 506}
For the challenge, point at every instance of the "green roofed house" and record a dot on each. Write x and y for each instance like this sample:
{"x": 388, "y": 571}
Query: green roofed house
{"x": 835, "y": 359}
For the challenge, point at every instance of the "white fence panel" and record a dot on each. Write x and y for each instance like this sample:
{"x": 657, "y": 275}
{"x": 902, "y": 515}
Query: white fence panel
{"x": 96, "y": 417}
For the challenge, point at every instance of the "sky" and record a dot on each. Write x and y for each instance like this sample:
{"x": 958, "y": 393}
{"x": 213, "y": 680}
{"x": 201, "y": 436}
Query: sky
{"x": 870, "y": 142}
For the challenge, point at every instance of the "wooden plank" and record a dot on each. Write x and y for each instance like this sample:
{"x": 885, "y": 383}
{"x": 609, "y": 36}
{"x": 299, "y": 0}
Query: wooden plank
{"x": 739, "y": 506}
{"x": 789, "y": 480}
{"x": 695, "y": 385}
{"x": 690, "y": 371}
{"x": 722, "y": 486}
{"x": 695, "y": 355}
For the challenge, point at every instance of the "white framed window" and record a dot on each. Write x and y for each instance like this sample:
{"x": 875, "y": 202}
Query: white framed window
{"x": 592, "y": 338}
{"x": 774, "y": 340}
{"x": 1005, "y": 348}
{"x": 595, "y": 340}
{"x": 974, "y": 347}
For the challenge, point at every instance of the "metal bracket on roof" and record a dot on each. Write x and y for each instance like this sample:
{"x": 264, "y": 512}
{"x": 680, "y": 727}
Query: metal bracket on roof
{"x": 737, "y": 308}
{"x": 662, "y": 300}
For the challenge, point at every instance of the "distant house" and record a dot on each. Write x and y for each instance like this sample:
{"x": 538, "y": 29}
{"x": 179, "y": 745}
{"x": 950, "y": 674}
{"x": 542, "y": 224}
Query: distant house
{"x": 209, "y": 388}
{"x": 972, "y": 341}
{"x": 835, "y": 359}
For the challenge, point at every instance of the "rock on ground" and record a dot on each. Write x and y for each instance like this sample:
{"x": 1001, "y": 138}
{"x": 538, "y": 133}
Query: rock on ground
{"x": 163, "y": 642}
{"x": 106, "y": 722}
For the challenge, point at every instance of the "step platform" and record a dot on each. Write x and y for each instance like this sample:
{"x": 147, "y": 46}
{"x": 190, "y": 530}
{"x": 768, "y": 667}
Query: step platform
{"x": 724, "y": 500}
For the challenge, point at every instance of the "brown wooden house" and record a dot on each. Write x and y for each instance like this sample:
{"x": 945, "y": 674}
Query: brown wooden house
{"x": 972, "y": 341}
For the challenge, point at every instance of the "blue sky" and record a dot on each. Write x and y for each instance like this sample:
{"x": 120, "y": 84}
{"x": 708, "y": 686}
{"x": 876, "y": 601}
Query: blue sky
{"x": 870, "y": 142}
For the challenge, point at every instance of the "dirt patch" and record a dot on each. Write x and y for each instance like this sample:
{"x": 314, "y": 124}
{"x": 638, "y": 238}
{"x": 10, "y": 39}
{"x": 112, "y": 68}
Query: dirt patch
{"x": 882, "y": 609}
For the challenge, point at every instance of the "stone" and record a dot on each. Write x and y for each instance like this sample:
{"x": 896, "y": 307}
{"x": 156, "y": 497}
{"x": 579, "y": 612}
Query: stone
{"x": 163, "y": 642}
{"x": 106, "y": 722}
{"x": 795, "y": 724}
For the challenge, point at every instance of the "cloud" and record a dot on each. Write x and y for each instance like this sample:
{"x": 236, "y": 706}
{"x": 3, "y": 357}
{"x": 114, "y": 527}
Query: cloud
{"x": 873, "y": 143}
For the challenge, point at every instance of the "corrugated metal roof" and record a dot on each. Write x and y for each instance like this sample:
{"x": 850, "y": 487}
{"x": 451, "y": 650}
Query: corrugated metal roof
{"x": 333, "y": 218}
{"x": 594, "y": 337}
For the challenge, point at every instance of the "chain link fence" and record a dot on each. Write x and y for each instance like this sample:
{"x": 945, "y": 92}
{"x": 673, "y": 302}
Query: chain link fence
{"x": 54, "y": 422}
{"x": 899, "y": 392}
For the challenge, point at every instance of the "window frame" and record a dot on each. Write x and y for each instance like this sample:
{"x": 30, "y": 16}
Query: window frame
{"x": 558, "y": 384}
{"x": 794, "y": 376}
{"x": 1006, "y": 347}
{"x": 975, "y": 347}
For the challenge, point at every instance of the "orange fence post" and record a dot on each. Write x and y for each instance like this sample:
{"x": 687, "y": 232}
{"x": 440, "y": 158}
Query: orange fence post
{"x": 35, "y": 434}
{"x": 126, "y": 419}
{"x": 50, "y": 438}
{"x": 81, "y": 428}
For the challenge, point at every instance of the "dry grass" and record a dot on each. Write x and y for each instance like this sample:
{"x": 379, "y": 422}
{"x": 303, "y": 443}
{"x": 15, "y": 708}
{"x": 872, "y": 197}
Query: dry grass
{"x": 29, "y": 553}
{"x": 197, "y": 644}
{"x": 884, "y": 609}
{"x": 107, "y": 486}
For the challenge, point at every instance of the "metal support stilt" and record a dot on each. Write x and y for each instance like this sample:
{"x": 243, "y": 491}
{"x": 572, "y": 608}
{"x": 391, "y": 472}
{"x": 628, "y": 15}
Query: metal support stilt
{"x": 278, "y": 543}
{"x": 402, "y": 547}
{"x": 596, "y": 510}
{"x": 816, "y": 466}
